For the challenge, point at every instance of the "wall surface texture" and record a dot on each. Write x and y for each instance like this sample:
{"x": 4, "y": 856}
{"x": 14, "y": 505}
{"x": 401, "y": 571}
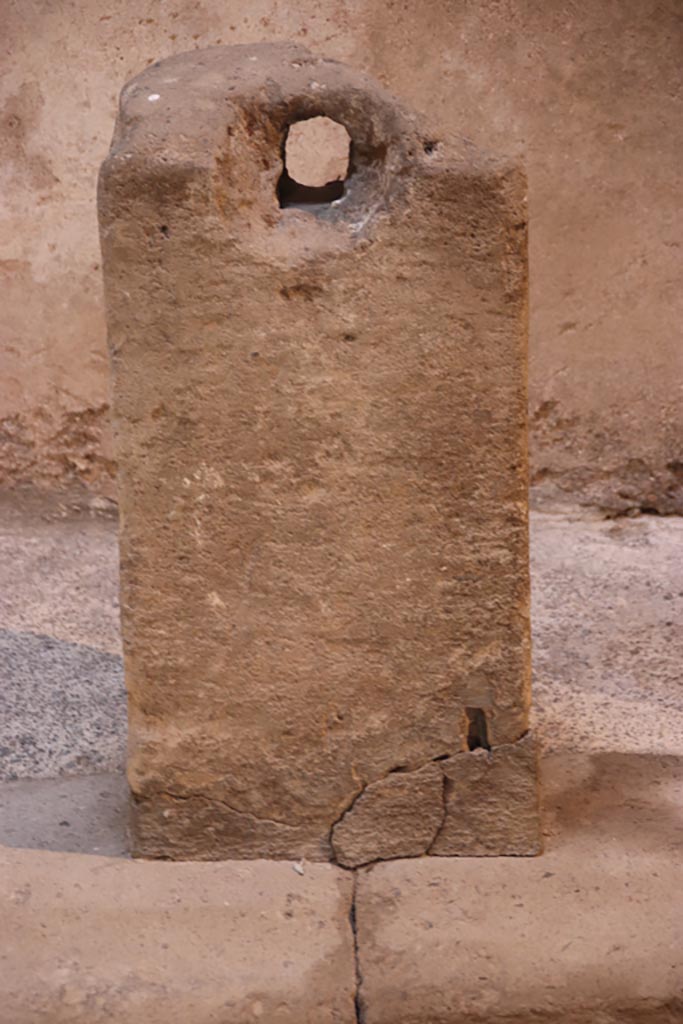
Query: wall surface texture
{"x": 588, "y": 94}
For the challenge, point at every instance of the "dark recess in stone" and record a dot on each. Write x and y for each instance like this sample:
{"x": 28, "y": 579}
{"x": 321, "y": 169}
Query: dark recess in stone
{"x": 477, "y": 729}
{"x": 291, "y": 193}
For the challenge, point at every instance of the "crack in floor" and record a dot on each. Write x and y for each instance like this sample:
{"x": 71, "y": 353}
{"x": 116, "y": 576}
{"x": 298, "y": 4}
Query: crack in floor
{"x": 358, "y": 1002}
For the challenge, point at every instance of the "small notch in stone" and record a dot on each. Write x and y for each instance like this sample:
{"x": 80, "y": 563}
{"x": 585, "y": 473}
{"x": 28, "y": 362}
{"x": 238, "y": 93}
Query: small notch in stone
{"x": 477, "y": 729}
{"x": 429, "y": 146}
{"x": 165, "y": 230}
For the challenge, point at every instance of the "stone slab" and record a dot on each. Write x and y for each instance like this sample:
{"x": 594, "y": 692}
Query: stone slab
{"x": 320, "y": 414}
{"x": 598, "y": 585}
{"x": 477, "y": 803}
{"x": 590, "y": 933}
{"x": 89, "y": 940}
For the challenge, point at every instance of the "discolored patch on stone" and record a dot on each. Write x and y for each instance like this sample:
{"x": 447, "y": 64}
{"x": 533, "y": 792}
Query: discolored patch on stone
{"x": 491, "y": 802}
{"x": 394, "y": 817}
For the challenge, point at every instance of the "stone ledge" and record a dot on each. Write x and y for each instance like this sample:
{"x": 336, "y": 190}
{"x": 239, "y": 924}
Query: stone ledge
{"x": 91, "y": 939}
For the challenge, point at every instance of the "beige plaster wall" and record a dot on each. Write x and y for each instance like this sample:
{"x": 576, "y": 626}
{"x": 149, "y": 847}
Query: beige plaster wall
{"x": 589, "y": 92}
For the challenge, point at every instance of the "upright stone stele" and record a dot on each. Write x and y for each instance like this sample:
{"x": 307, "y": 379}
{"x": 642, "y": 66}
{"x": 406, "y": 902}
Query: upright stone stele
{"x": 321, "y": 422}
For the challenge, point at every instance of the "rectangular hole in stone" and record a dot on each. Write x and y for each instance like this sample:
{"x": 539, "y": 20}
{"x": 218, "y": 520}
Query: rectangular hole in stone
{"x": 477, "y": 729}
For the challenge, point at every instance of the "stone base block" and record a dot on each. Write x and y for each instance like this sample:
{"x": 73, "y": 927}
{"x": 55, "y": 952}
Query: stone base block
{"x": 93, "y": 940}
{"x": 475, "y": 803}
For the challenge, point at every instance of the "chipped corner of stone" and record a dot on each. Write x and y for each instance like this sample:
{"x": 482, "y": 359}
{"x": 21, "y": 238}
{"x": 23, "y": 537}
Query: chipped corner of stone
{"x": 482, "y": 802}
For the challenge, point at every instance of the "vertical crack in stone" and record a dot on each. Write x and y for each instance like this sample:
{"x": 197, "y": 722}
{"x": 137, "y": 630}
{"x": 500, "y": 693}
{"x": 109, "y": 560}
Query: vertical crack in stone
{"x": 349, "y": 807}
{"x": 395, "y": 816}
{"x": 358, "y": 1001}
{"x": 445, "y": 789}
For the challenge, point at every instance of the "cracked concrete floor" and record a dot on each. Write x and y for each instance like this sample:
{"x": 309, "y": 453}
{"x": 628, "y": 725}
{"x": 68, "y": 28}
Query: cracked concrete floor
{"x": 587, "y": 932}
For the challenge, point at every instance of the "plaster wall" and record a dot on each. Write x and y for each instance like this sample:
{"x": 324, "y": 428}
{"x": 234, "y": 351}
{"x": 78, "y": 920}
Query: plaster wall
{"x": 588, "y": 93}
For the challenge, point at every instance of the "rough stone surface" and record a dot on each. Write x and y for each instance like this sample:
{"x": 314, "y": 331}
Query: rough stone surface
{"x": 607, "y": 616}
{"x": 590, "y": 932}
{"x": 477, "y": 803}
{"x": 396, "y": 817}
{"x": 88, "y": 940}
{"x": 607, "y": 622}
{"x": 322, "y": 483}
{"x": 491, "y": 802}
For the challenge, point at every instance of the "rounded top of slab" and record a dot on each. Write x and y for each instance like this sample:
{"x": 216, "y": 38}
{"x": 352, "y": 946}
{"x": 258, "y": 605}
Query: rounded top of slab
{"x": 182, "y": 96}
{"x": 208, "y": 129}
{"x": 226, "y": 110}
{"x": 285, "y": 78}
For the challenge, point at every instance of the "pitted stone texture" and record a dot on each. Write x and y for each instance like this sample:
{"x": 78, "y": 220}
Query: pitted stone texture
{"x": 396, "y": 817}
{"x": 491, "y": 802}
{"x": 89, "y": 940}
{"x": 477, "y": 803}
{"x": 321, "y": 429}
{"x": 209, "y": 827}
